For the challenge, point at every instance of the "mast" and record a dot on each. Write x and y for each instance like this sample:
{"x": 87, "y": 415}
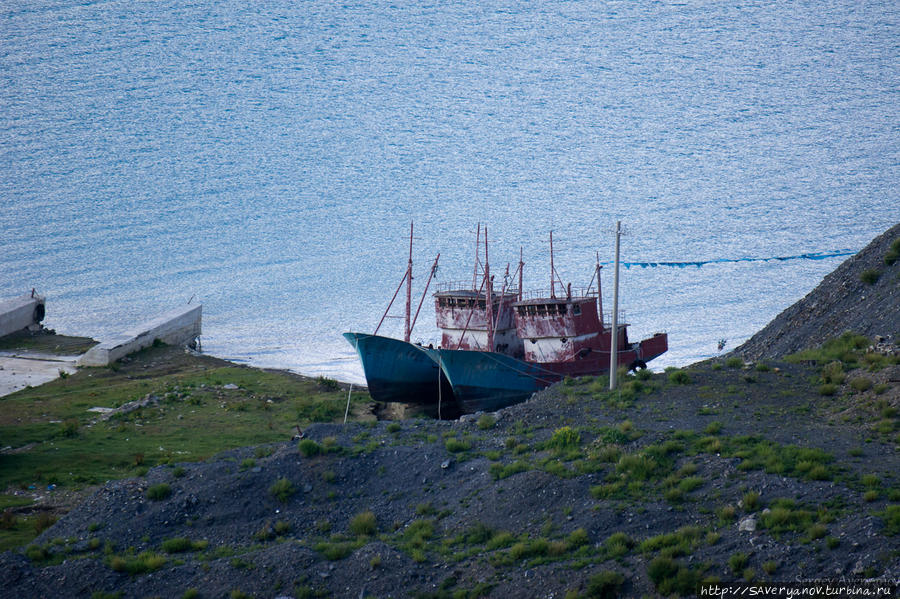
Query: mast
{"x": 489, "y": 296}
{"x": 521, "y": 267}
{"x": 475, "y": 268}
{"x": 552, "y": 278}
{"x": 407, "y": 331}
{"x": 599, "y": 291}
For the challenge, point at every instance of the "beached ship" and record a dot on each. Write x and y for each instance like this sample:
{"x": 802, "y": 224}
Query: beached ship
{"x": 554, "y": 336}
{"x": 499, "y": 347}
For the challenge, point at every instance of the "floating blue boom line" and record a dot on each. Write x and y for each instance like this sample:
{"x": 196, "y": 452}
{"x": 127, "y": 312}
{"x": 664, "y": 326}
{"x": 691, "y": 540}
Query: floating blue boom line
{"x": 698, "y": 264}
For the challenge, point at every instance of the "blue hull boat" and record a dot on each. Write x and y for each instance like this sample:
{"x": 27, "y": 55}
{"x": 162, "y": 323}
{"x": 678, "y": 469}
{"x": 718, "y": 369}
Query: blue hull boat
{"x": 397, "y": 371}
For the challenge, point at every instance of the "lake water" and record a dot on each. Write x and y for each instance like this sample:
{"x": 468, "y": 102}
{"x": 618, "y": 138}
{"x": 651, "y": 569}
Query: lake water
{"x": 267, "y": 158}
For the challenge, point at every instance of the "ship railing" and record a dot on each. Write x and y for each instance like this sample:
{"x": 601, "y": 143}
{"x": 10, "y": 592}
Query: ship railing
{"x": 465, "y": 287}
{"x": 607, "y": 318}
{"x": 561, "y": 294}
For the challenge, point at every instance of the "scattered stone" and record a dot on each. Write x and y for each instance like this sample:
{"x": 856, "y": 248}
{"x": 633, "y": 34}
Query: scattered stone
{"x": 747, "y": 524}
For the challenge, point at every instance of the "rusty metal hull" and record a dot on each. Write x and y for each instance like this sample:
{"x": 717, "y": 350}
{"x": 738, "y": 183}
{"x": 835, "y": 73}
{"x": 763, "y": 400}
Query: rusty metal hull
{"x": 397, "y": 371}
{"x": 488, "y": 381}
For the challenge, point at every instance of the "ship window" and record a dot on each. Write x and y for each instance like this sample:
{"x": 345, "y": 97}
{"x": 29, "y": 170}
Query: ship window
{"x": 442, "y": 302}
{"x": 576, "y": 309}
{"x": 532, "y": 310}
{"x": 562, "y": 309}
{"x": 542, "y": 310}
{"x": 481, "y": 304}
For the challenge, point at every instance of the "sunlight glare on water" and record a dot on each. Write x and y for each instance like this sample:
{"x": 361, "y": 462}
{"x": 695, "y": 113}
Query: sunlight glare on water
{"x": 266, "y": 160}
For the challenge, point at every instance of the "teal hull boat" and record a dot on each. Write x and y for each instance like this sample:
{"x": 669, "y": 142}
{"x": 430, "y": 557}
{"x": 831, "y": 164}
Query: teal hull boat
{"x": 397, "y": 371}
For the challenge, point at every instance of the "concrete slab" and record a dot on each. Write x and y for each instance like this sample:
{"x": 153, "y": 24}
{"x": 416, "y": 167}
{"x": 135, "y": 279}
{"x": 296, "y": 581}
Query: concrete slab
{"x": 18, "y": 370}
{"x": 180, "y": 326}
{"x": 20, "y": 312}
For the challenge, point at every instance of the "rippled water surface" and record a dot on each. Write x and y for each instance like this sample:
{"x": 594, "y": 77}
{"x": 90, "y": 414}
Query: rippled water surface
{"x": 266, "y": 158}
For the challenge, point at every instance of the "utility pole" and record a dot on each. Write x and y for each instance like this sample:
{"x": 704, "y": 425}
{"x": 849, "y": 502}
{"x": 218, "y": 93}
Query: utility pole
{"x": 614, "y": 331}
{"x": 407, "y": 328}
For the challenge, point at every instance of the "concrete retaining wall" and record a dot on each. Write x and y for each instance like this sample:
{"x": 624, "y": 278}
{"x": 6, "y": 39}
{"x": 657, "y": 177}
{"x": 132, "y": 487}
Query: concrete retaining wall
{"x": 180, "y": 326}
{"x": 20, "y": 312}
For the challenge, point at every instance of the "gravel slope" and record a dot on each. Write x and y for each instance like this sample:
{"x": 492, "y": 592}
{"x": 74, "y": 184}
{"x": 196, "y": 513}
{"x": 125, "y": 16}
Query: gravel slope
{"x": 841, "y": 302}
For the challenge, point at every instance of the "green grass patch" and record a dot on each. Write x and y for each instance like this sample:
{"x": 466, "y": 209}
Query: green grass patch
{"x": 364, "y": 524}
{"x": 282, "y": 490}
{"x": 891, "y": 517}
{"x": 870, "y": 276}
{"x": 183, "y": 544}
{"x": 499, "y": 471}
{"x": 159, "y": 492}
{"x": 190, "y": 420}
{"x": 148, "y": 561}
{"x": 455, "y": 445}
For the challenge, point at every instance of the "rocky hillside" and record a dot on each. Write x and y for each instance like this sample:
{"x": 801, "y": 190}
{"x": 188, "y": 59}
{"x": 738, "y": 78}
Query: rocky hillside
{"x": 861, "y": 295}
{"x": 720, "y": 472}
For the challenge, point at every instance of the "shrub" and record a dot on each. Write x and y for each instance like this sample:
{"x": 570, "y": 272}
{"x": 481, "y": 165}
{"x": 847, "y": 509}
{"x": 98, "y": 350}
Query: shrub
{"x": 638, "y": 466}
{"x": 69, "y": 428}
{"x": 282, "y": 489}
{"x": 737, "y": 562}
{"x": 36, "y": 553}
{"x": 618, "y": 544}
{"x": 147, "y": 561}
{"x": 661, "y": 568}
{"x": 861, "y": 384}
{"x": 564, "y": 438}
{"x": 827, "y": 389}
{"x": 577, "y": 538}
{"x": 833, "y": 373}
{"x": 891, "y": 517}
{"x": 750, "y": 500}
{"x": 486, "y": 421}
{"x": 182, "y": 544}
{"x": 455, "y": 445}
{"x": 713, "y": 428}
{"x": 393, "y": 427}
{"x": 501, "y": 538}
{"x": 178, "y": 472}
{"x": 43, "y": 521}
{"x": 499, "y": 471}
{"x": 726, "y": 513}
{"x": 309, "y": 448}
{"x": 159, "y": 492}
{"x": 734, "y": 363}
{"x": 605, "y": 585}
{"x": 679, "y": 377}
{"x": 364, "y": 524}
{"x": 7, "y": 520}
{"x": 327, "y": 383}
{"x": 870, "y": 276}
{"x": 817, "y": 531}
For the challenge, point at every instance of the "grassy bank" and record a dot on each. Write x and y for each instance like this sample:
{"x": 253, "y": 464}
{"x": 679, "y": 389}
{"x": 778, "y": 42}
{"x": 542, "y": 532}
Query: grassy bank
{"x": 196, "y": 406}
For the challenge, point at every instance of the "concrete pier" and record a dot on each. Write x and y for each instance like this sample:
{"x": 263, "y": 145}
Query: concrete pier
{"x": 180, "y": 326}
{"x": 20, "y": 313}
